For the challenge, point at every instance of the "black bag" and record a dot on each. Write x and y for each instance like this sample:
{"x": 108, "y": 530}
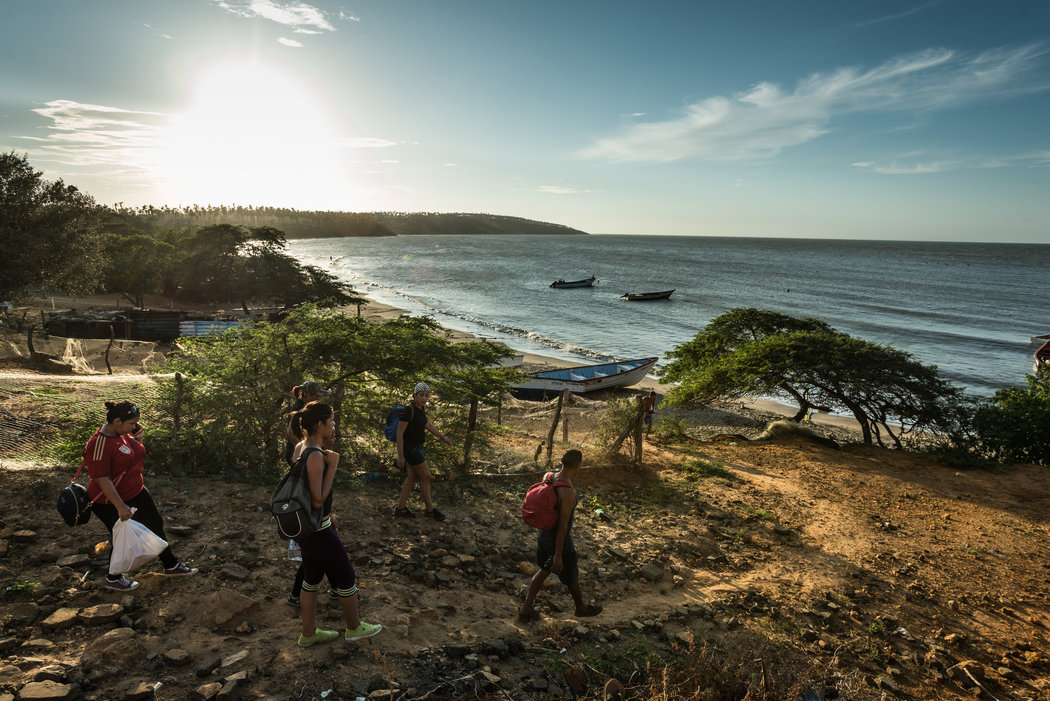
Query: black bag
{"x": 292, "y": 505}
{"x": 74, "y": 505}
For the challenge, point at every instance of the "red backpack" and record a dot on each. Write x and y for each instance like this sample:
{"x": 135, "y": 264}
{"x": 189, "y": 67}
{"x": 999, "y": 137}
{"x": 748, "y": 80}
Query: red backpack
{"x": 540, "y": 508}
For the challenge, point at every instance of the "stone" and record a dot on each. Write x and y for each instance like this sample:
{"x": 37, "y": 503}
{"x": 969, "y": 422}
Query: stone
{"x": 112, "y": 648}
{"x": 79, "y": 560}
{"x": 176, "y": 657}
{"x": 206, "y": 691}
{"x": 24, "y": 536}
{"x": 100, "y": 614}
{"x": 232, "y": 570}
{"x": 230, "y": 691}
{"x": 18, "y": 614}
{"x": 60, "y": 619}
{"x": 782, "y": 531}
{"x": 48, "y": 691}
{"x": 52, "y": 673}
{"x": 208, "y": 665}
{"x": 651, "y": 573}
{"x": 457, "y": 650}
{"x": 495, "y": 647}
{"x": 234, "y": 658}
{"x": 140, "y": 691}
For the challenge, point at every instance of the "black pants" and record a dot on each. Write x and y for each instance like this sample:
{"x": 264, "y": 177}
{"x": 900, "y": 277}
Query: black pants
{"x": 146, "y": 513}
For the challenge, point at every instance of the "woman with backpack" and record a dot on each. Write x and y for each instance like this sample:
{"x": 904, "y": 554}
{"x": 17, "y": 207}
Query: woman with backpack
{"x": 412, "y": 426}
{"x": 555, "y": 550}
{"x": 114, "y": 458}
{"x": 323, "y": 553}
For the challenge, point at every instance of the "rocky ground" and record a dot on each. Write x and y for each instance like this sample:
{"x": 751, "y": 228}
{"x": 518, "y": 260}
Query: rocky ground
{"x": 787, "y": 565}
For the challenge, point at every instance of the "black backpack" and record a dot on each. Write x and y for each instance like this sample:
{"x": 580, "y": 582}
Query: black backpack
{"x": 292, "y": 505}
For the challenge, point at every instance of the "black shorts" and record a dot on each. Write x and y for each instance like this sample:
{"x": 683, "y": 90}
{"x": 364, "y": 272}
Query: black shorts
{"x": 570, "y": 565}
{"x": 414, "y": 455}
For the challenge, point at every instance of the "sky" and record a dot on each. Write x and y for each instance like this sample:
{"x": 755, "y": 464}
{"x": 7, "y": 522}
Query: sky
{"x": 861, "y": 119}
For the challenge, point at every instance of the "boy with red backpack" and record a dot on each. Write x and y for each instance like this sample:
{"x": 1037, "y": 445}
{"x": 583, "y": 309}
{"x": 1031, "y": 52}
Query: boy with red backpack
{"x": 550, "y": 506}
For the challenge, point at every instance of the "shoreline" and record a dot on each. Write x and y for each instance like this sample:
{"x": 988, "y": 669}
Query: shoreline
{"x": 380, "y": 311}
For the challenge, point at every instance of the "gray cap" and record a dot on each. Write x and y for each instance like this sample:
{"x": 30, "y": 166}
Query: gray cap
{"x": 313, "y": 388}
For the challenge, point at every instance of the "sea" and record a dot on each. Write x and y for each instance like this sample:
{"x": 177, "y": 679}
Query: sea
{"x": 968, "y": 308}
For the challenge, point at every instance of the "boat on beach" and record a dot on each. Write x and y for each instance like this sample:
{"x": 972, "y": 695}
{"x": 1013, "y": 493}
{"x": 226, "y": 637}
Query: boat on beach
{"x": 646, "y": 296}
{"x": 583, "y": 378}
{"x": 563, "y": 285}
{"x": 1042, "y": 357}
{"x": 1040, "y": 339}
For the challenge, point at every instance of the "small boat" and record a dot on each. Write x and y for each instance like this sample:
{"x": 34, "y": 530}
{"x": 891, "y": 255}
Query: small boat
{"x": 1040, "y": 339}
{"x": 646, "y": 296}
{"x": 562, "y": 285}
{"x": 1042, "y": 357}
{"x": 584, "y": 378}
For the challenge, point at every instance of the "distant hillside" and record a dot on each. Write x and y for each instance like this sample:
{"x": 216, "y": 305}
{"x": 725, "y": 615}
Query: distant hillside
{"x": 305, "y": 224}
{"x": 408, "y": 224}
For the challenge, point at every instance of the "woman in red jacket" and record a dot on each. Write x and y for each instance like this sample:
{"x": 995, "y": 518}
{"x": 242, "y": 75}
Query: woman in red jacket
{"x": 114, "y": 458}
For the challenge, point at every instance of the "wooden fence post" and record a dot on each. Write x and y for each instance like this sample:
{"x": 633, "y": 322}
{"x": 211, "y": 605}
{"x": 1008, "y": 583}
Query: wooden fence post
{"x": 468, "y": 442}
{"x": 177, "y": 420}
{"x": 554, "y": 425}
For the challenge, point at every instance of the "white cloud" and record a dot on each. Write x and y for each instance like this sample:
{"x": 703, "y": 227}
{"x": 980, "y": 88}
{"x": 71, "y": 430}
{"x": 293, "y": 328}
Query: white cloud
{"x": 764, "y": 120}
{"x": 290, "y": 42}
{"x": 82, "y": 134}
{"x": 291, "y": 14}
{"x": 559, "y": 190}
{"x": 363, "y": 142}
{"x": 347, "y": 17}
{"x": 901, "y": 166}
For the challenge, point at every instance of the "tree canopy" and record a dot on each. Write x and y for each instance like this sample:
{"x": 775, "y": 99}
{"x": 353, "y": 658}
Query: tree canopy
{"x": 753, "y": 352}
{"x": 242, "y": 379}
{"x": 49, "y": 232}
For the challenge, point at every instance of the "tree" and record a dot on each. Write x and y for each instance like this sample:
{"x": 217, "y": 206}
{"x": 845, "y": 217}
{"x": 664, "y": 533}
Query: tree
{"x": 751, "y": 352}
{"x": 49, "y": 233}
{"x": 236, "y": 386}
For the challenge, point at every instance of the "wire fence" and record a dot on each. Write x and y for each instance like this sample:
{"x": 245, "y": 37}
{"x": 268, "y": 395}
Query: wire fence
{"x": 35, "y": 409}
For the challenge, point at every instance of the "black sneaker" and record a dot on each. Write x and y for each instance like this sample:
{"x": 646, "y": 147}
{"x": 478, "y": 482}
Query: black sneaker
{"x": 180, "y": 568}
{"x": 122, "y": 584}
{"x": 403, "y": 512}
{"x": 436, "y": 515}
{"x": 292, "y": 601}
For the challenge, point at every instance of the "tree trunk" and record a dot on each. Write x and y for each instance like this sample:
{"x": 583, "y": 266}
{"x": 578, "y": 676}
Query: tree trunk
{"x": 468, "y": 442}
{"x": 29, "y": 340}
{"x": 109, "y": 345}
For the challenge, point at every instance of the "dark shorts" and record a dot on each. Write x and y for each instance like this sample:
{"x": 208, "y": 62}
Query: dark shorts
{"x": 414, "y": 455}
{"x": 648, "y": 418}
{"x": 570, "y": 566}
{"x": 324, "y": 556}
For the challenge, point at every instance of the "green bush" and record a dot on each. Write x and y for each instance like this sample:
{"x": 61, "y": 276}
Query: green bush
{"x": 1012, "y": 426}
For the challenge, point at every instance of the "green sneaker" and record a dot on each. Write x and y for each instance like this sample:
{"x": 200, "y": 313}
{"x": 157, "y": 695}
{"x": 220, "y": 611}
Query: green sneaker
{"x": 319, "y": 636}
{"x": 363, "y": 630}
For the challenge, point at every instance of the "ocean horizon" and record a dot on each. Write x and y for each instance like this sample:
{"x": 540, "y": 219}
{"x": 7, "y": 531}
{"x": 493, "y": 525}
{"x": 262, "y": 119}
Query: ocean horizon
{"x": 968, "y": 308}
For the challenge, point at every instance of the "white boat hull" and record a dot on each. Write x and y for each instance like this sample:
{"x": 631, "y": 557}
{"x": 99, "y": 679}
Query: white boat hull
{"x": 619, "y": 375}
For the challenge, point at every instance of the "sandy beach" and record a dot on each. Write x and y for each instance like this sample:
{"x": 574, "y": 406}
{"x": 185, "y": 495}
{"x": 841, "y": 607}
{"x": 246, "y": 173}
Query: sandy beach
{"x": 750, "y": 407}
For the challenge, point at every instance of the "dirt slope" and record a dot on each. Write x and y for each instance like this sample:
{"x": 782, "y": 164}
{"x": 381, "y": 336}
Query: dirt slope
{"x": 861, "y": 572}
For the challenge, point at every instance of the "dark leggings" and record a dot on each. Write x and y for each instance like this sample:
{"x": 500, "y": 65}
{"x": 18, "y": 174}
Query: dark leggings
{"x": 146, "y": 513}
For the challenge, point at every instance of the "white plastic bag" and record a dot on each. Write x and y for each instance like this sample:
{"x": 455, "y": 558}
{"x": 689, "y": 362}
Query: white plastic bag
{"x": 133, "y": 545}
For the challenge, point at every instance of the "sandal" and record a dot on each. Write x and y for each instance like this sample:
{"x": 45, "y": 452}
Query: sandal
{"x": 591, "y": 610}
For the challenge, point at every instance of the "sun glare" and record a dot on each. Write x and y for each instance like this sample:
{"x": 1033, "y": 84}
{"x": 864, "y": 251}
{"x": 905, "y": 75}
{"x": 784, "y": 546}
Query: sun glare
{"x": 252, "y": 135}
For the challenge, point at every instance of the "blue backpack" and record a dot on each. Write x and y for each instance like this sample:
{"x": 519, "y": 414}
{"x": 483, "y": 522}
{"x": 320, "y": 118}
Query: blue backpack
{"x": 390, "y": 429}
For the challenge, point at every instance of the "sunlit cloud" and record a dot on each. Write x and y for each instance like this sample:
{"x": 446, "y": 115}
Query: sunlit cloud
{"x": 560, "y": 190}
{"x": 896, "y": 16}
{"x": 347, "y": 17}
{"x": 155, "y": 31}
{"x": 290, "y": 42}
{"x": 362, "y": 142}
{"x": 902, "y": 166}
{"x": 83, "y": 134}
{"x": 291, "y": 14}
{"x": 766, "y": 119}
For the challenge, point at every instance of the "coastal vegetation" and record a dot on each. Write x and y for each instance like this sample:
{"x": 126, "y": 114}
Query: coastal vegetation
{"x": 242, "y": 378}
{"x": 753, "y": 352}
